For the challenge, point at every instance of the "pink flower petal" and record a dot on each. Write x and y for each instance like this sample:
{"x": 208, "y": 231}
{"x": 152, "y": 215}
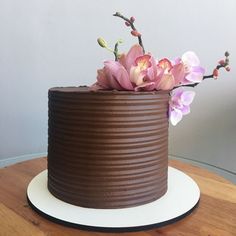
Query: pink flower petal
{"x": 122, "y": 60}
{"x": 194, "y": 77}
{"x": 175, "y": 116}
{"x": 95, "y": 87}
{"x": 102, "y": 79}
{"x": 198, "y": 69}
{"x": 187, "y": 97}
{"x": 178, "y": 72}
{"x": 165, "y": 64}
{"x": 176, "y": 61}
{"x": 152, "y": 70}
{"x": 176, "y": 93}
{"x": 191, "y": 59}
{"x": 111, "y": 79}
{"x": 117, "y": 76}
{"x": 179, "y": 104}
{"x": 143, "y": 61}
{"x": 185, "y": 110}
{"x": 136, "y": 75}
{"x": 167, "y": 82}
{"x": 146, "y": 86}
{"x": 129, "y": 60}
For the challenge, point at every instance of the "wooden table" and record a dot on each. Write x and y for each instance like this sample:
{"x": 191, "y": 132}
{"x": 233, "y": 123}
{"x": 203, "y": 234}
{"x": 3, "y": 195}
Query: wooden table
{"x": 215, "y": 215}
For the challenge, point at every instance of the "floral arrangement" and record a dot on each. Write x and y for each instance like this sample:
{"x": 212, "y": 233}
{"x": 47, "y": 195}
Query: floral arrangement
{"x": 140, "y": 71}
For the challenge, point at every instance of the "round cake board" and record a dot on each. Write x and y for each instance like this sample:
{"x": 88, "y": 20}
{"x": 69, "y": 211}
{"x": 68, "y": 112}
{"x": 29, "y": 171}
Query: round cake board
{"x": 180, "y": 200}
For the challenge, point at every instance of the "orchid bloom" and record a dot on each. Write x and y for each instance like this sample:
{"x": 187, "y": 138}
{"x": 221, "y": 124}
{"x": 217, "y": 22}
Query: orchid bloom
{"x": 136, "y": 71}
{"x": 114, "y": 76}
{"x": 179, "y": 104}
{"x": 142, "y": 68}
{"x": 139, "y": 70}
{"x": 131, "y": 72}
{"x": 145, "y": 74}
{"x": 172, "y": 74}
{"x": 184, "y": 70}
{"x": 167, "y": 81}
{"x": 193, "y": 71}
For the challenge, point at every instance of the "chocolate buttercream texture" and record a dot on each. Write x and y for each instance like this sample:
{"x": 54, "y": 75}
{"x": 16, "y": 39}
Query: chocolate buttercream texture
{"x": 107, "y": 149}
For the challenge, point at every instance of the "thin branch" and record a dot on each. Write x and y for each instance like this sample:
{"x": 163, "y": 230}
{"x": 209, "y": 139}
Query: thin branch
{"x": 219, "y": 66}
{"x": 132, "y": 26}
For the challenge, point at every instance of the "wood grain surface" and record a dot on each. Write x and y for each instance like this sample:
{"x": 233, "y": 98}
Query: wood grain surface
{"x": 215, "y": 215}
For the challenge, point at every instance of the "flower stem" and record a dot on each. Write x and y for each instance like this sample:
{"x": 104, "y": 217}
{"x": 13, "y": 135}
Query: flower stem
{"x": 116, "y": 51}
{"x": 219, "y": 66}
{"x": 118, "y": 14}
{"x": 195, "y": 84}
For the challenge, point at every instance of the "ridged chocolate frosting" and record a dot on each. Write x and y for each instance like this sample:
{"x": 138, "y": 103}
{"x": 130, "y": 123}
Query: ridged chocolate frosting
{"x": 107, "y": 149}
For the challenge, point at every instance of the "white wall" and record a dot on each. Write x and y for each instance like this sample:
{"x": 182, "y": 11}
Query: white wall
{"x": 46, "y": 43}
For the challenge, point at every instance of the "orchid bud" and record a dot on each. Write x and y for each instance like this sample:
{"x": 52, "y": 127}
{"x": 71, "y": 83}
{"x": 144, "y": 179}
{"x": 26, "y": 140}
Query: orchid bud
{"x": 117, "y": 13}
{"x": 222, "y": 62}
{"x": 227, "y": 68}
{"x": 120, "y": 41}
{"x": 102, "y": 42}
{"x": 226, "y": 53}
{"x": 132, "y": 19}
{"x": 127, "y": 23}
{"x": 135, "y": 33}
{"x": 215, "y": 73}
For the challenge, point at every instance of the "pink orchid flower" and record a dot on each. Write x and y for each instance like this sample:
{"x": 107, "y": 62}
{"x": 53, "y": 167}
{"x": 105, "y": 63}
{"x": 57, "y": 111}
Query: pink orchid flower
{"x": 114, "y": 76}
{"x": 144, "y": 73}
{"x": 128, "y": 60}
{"x": 179, "y": 104}
{"x": 136, "y": 71}
{"x": 139, "y": 70}
{"x": 133, "y": 71}
{"x": 193, "y": 71}
{"x": 142, "y": 69}
{"x": 172, "y": 74}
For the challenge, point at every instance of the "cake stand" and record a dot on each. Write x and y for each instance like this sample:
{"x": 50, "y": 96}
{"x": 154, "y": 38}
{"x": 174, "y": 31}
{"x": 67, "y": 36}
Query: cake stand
{"x": 181, "y": 198}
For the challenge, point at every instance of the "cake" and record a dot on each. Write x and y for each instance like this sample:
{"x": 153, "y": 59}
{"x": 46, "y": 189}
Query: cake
{"x": 107, "y": 149}
{"x": 108, "y": 143}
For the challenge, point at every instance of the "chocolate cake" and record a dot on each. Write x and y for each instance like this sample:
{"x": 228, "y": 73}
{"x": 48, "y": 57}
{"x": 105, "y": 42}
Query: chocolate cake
{"x": 107, "y": 149}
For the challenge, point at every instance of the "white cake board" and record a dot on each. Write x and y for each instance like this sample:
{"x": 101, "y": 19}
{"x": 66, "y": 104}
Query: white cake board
{"x": 179, "y": 201}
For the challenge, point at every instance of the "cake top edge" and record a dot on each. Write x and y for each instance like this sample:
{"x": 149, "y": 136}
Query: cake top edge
{"x": 86, "y": 89}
